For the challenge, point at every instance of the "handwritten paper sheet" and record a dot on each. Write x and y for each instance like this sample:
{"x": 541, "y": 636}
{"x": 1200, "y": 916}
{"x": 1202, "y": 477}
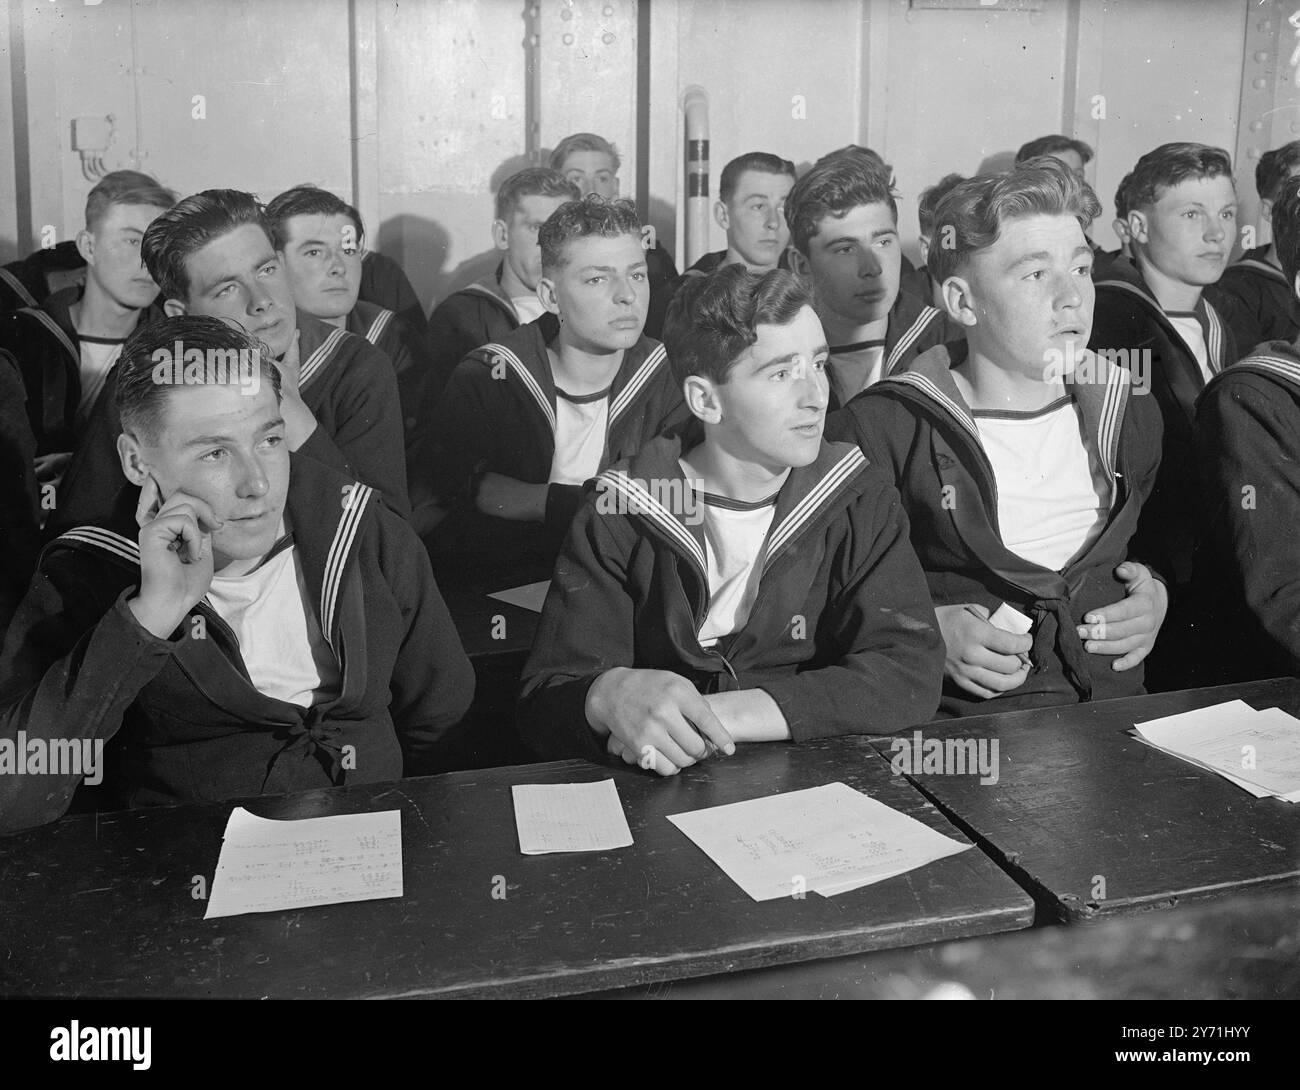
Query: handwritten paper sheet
{"x": 1258, "y": 751}
{"x": 529, "y": 596}
{"x": 569, "y": 817}
{"x": 827, "y": 839}
{"x": 267, "y": 866}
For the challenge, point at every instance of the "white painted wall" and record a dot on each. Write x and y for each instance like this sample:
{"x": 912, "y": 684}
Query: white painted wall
{"x": 418, "y": 108}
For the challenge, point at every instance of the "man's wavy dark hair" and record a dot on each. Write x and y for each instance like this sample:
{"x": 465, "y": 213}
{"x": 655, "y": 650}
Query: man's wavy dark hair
{"x": 713, "y": 319}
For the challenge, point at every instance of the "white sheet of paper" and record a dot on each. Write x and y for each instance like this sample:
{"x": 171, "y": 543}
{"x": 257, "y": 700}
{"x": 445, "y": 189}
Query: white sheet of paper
{"x": 1010, "y": 619}
{"x": 1229, "y": 738}
{"x": 1245, "y": 785}
{"x": 569, "y": 817}
{"x": 529, "y": 596}
{"x": 827, "y": 839}
{"x": 267, "y": 865}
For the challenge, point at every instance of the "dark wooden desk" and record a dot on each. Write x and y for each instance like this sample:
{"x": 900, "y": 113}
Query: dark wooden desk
{"x": 475, "y": 616}
{"x": 102, "y": 907}
{"x": 1241, "y": 947}
{"x": 1079, "y": 800}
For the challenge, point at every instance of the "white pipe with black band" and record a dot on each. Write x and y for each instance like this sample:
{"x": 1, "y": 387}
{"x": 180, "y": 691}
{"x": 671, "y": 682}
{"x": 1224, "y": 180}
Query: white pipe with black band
{"x": 695, "y": 103}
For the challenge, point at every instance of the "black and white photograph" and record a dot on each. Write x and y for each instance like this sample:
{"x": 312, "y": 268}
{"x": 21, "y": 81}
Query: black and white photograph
{"x": 650, "y": 499}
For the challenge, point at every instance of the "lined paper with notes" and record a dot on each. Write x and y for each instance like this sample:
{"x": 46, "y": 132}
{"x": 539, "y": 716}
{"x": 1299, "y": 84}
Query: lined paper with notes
{"x": 569, "y": 817}
{"x": 1259, "y": 751}
{"x": 268, "y": 866}
{"x": 828, "y": 839}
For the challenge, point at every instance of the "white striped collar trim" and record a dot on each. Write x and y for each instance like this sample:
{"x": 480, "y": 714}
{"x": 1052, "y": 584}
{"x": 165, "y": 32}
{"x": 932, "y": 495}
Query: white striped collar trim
{"x": 931, "y": 389}
{"x": 644, "y": 503}
{"x": 1214, "y": 341}
{"x": 1133, "y": 289}
{"x": 105, "y": 540}
{"x": 336, "y": 560}
{"x": 318, "y": 360}
{"x": 1214, "y": 346}
{"x": 1288, "y": 369}
{"x": 909, "y": 338}
{"x": 53, "y": 326}
{"x": 806, "y": 509}
{"x": 378, "y": 326}
{"x": 1108, "y": 426}
{"x": 20, "y": 289}
{"x": 638, "y": 381}
{"x": 495, "y": 352}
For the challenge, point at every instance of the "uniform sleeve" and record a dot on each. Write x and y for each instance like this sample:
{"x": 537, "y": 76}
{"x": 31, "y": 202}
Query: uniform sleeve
{"x": 1248, "y": 446}
{"x": 882, "y": 429}
{"x": 385, "y": 282}
{"x": 1147, "y": 426}
{"x": 449, "y": 343}
{"x": 1241, "y": 313}
{"x": 660, "y": 266}
{"x": 587, "y": 627}
{"x": 19, "y": 529}
{"x": 94, "y": 477}
{"x": 433, "y": 680}
{"x": 661, "y": 298}
{"x": 1118, "y": 323}
{"x": 408, "y": 352}
{"x": 460, "y": 439}
{"x": 888, "y": 674}
{"x": 366, "y": 439}
{"x": 69, "y": 671}
{"x": 562, "y": 504}
{"x": 675, "y": 417}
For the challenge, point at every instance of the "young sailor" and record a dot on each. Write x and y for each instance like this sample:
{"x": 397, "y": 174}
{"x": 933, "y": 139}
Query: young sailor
{"x": 1023, "y": 460}
{"x": 493, "y": 307}
{"x": 844, "y": 237}
{"x": 212, "y": 254}
{"x": 67, "y": 345}
{"x": 747, "y": 582}
{"x": 1248, "y": 450}
{"x": 525, "y": 421}
{"x": 246, "y": 621}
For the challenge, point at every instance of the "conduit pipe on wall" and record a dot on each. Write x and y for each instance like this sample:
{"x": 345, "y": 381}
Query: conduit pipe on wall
{"x": 695, "y": 104}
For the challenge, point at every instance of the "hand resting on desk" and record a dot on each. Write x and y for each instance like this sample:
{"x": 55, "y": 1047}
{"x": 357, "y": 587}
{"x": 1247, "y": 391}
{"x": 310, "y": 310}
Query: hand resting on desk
{"x": 656, "y": 715}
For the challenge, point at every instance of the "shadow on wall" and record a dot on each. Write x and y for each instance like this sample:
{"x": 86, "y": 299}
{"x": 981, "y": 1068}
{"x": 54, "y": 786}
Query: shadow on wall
{"x": 421, "y": 245}
{"x": 417, "y": 244}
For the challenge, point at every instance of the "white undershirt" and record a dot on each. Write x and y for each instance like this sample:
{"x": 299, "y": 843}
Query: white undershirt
{"x": 528, "y": 308}
{"x": 97, "y": 359}
{"x": 280, "y": 639}
{"x": 1053, "y": 497}
{"x": 579, "y": 437}
{"x": 1189, "y": 328}
{"x": 853, "y": 369}
{"x": 735, "y": 538}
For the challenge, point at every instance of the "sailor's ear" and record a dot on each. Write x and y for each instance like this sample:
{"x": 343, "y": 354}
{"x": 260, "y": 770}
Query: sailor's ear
{"x": 957, "y": 301}
{"x": 134, "y": 465}
{"x": 701, "y": 397}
